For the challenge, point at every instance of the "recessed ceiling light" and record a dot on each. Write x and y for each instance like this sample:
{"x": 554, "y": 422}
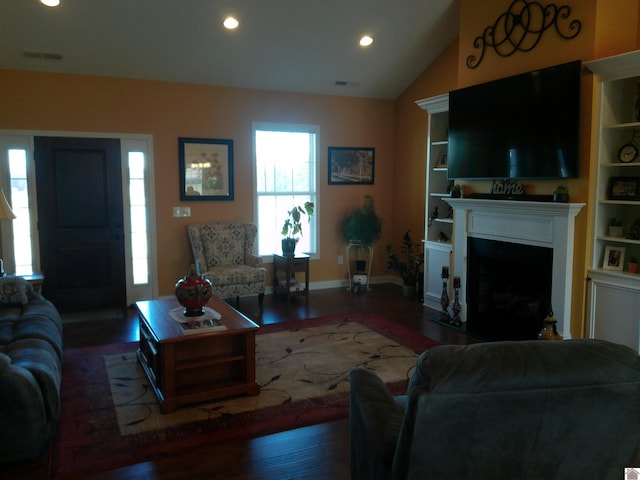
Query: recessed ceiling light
{"x": 230, "y": 23}
{"x": 50, "y": 3}
{"x": 366, "y": 41}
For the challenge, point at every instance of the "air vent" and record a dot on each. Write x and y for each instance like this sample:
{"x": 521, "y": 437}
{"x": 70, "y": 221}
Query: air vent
{"x": 42, "y": 55}
{"x": 346, "y": 83}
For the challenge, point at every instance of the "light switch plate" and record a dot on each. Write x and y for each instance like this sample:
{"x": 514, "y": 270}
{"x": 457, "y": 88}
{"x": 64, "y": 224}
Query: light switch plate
{"x": 180, "y": 212}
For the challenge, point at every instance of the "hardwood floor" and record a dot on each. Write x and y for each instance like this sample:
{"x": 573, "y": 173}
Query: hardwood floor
{"x": 316, "y": 452}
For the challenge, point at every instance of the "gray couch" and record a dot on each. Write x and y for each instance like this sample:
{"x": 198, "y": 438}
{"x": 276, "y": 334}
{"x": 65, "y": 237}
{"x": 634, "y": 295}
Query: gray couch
{"x": 525, "y": 410}
{"x": 30, "y": 370}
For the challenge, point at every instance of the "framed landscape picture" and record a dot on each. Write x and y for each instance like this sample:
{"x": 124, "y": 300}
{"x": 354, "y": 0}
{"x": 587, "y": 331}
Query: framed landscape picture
{"x": 206, "y": 169}
{"x": 624, "y": 188}
{"x": 351, "y": 166}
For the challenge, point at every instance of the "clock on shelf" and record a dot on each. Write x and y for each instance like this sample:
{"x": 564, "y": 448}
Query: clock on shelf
{"x": 629, "y": 151}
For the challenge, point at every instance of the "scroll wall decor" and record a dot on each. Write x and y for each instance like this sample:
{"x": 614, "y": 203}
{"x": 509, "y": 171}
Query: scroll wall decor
{"x": 521, "y": 27}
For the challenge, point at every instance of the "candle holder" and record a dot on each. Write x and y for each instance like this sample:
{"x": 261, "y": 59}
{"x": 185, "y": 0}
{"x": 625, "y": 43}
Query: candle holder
{"x": 455, "y": 320}
{"x": 444, "y": 298}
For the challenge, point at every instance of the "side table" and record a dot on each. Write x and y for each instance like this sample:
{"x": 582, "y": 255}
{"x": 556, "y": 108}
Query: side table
{"x": 284, "y": 270}
{"x": 35, "y": 279}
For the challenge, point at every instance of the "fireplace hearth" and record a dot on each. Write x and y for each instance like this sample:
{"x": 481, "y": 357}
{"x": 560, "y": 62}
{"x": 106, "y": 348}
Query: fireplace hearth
{"x": 508, "y": 289}
{"x": 548, "y": 225}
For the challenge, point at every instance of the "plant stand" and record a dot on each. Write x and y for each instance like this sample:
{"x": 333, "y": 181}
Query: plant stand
{"x": 352, "y": 285}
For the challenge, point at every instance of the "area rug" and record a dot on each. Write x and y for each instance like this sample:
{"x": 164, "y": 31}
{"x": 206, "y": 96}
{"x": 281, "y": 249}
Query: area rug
{"x": 110, "y": 415}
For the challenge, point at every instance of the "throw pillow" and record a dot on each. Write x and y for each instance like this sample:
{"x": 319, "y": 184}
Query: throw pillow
{"x": 14, "y": 291}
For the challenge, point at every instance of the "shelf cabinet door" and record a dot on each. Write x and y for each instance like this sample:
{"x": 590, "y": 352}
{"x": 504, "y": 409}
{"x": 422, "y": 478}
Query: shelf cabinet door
{"x": 437, "y": 256}
{"x": 614, "y": 313}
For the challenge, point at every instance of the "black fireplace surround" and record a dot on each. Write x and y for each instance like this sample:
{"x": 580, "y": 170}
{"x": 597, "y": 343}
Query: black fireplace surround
{"x": 508, "y": 289}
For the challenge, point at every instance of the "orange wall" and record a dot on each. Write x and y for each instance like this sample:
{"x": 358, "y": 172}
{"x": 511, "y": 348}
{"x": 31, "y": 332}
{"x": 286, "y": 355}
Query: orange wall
{"x": 601, "y": 35}
{"x": 73, "y": 103}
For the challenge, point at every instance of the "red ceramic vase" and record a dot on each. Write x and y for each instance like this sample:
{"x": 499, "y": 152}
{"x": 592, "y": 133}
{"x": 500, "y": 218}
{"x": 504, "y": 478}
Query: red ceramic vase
{"x": 193, "y": 292}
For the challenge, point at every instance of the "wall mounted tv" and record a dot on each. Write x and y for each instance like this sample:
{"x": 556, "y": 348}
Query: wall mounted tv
{"x": 522, "y": 127}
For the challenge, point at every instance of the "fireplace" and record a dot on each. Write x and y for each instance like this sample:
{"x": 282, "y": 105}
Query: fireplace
{"x": 547, "y": 225}
{"x": 508, "y": 289}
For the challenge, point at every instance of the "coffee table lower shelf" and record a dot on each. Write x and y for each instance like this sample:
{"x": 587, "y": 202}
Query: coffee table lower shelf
{"x": 198, "y": 393}
{"x": 186, "y": 369}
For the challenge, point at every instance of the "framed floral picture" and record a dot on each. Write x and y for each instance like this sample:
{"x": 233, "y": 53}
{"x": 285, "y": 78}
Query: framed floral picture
{"x": 206, "y": 169}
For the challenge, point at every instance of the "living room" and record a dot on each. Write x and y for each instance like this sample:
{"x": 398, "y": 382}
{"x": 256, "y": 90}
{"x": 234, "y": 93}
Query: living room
{"x": 396, "y": 128}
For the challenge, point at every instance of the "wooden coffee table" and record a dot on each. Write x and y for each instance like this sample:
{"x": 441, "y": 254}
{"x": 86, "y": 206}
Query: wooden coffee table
{"x": 194, "y": 368}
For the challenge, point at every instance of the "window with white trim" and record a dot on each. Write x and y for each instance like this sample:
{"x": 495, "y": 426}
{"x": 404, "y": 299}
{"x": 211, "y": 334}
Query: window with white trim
{"x": 285, "y": 177}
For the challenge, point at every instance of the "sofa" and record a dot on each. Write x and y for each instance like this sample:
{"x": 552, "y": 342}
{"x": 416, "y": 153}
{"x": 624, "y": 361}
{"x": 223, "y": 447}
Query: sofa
{"x": 30, "y": 370}
{"x": 223, "y": 253}
{"x": 525, "y": 410}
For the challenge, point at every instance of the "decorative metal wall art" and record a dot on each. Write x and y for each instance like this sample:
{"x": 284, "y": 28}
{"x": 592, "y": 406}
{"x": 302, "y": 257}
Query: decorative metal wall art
{"x": 521, "y": 27}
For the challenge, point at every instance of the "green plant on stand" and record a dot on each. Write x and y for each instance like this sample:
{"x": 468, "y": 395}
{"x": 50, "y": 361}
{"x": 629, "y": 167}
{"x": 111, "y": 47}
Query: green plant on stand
{"x": 408, "y": 263}
{"x": 363, "y": 225}
{"x": 292, "y": 227}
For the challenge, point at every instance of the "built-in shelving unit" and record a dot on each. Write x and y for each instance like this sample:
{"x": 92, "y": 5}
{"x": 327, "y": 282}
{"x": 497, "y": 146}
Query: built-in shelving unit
{"x": 614, "y": 293}
{"x": 438, "y": 228}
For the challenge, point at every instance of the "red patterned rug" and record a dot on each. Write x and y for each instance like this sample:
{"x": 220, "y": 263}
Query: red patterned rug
{"x": 110, "y": 417}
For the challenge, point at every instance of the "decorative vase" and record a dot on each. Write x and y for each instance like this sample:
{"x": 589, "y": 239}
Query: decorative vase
{"x": 193, "y": 293}
{"x": 288, "y": 246}
{"x": 632, "y": 267}
{"x": 408, "y": 291}
{"x": 549, "y": 330}
{"x": 561, "y": 197}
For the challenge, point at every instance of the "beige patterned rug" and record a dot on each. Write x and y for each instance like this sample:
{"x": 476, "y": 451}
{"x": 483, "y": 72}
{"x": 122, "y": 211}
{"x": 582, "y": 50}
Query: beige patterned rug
{"x": 290, "y": 366}
{"x": 110, "y": 415}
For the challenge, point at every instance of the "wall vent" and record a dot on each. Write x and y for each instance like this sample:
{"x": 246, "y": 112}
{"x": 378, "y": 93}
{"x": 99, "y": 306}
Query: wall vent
{"x": 346, "y": 83}
{"x": 42, "y": 55}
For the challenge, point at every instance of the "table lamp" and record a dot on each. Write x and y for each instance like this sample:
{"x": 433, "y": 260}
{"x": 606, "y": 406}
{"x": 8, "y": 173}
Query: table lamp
{"x": 5, "y": 214}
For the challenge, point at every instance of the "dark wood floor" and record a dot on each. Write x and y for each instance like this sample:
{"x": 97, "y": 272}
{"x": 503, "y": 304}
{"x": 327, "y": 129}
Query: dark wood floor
{"x": 316, "y": 452}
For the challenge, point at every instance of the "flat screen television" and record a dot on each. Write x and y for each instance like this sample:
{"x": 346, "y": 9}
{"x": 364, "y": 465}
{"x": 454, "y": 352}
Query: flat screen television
{"x": 522, "y": 127}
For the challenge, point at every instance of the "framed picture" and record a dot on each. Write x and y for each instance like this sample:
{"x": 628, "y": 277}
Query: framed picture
{"x": 206, "y": 169}
{"x": 351, "y": 166}
{"x": 624, "y": 188}
{"x": 442, "y": 161}
{"x": 613, "y": 258}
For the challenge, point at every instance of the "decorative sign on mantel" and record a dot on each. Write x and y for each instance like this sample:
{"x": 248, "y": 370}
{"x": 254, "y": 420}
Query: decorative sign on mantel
{"x": 507, "y": 187}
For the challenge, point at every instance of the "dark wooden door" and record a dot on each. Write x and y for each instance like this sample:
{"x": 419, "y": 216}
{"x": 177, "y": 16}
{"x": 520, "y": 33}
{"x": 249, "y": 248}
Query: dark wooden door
{"x": 79, "y": 188}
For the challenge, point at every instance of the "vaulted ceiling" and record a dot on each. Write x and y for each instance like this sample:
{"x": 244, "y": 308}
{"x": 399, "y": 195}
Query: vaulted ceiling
{"x": 283, "y": 45}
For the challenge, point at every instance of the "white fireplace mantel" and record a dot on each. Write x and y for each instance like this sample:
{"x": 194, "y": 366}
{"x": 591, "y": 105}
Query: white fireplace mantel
{"x": 544, "y": 224}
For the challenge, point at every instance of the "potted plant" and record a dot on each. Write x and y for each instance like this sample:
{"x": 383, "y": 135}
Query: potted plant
{"x": 615, "y": 227}
{"x": 363, "y": 225}
{"x": 561, "y": 194}
{"x": 408, "y": 263}
{"x": 292, "y": 227}
{"x": 632, "y": 266}
{"x": 456, "y": 191}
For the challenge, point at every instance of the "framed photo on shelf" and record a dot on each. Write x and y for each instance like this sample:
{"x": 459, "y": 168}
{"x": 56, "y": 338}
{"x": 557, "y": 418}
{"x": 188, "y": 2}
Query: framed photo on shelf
{"x": 206, "y": 169}
{"x": 624, "y": 188}
{"x": 351, "y": 166}
{"x": 613, "y": 258}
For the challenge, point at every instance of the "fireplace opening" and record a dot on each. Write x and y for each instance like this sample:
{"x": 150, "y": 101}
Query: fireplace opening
{"x": 508, "y": 289}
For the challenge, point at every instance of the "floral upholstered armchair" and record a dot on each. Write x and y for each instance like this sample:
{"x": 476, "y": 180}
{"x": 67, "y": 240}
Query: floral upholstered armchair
{"x": 223, "y": 253}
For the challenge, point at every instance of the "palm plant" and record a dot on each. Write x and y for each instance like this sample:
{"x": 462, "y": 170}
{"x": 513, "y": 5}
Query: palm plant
{"x": 409, "y": 262}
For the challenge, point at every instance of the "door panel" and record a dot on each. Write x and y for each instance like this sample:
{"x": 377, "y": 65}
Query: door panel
{"x": 79, "y": 188}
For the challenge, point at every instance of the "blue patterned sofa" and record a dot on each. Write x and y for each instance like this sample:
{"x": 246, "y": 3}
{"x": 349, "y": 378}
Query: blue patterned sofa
{"x": 30, "y": 370}
{"x": 223, "y": 253}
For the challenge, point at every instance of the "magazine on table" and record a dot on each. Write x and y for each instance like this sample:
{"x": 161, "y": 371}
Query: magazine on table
{"x": 211, "y": 321}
